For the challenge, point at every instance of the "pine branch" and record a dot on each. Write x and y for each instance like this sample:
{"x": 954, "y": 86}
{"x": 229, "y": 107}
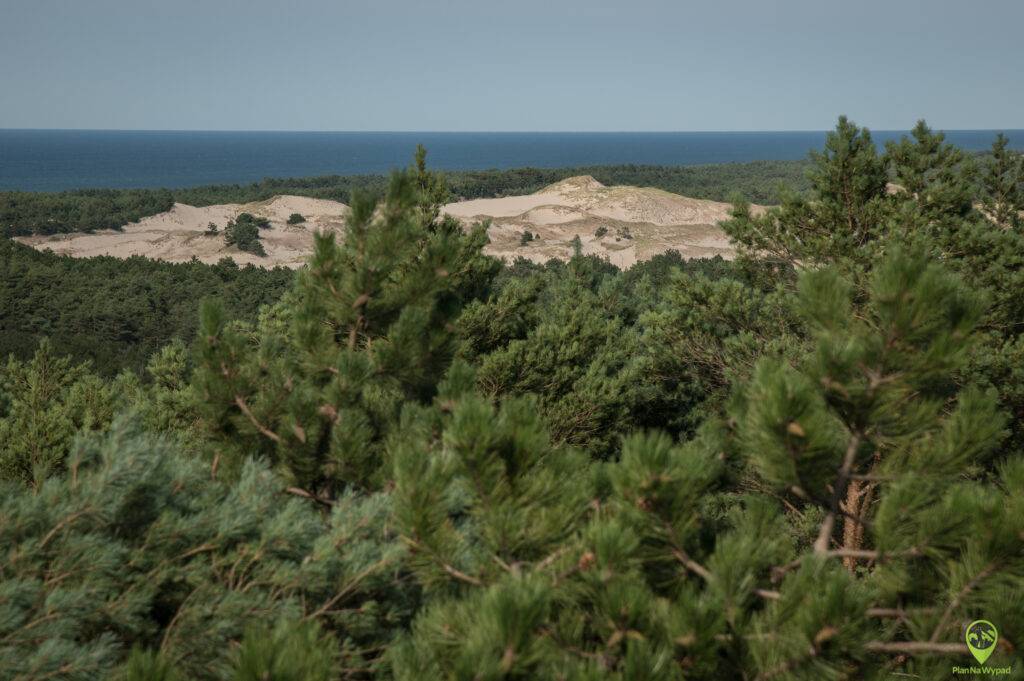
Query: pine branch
{"x": 63, "y": 523}
{"x": 828, "y": 525}
{"x": 863, "y": 554}
{"x": 692, "y": 565}
{"x": 349, "y": 588}
{"x": 898, "y": 613}
{"x": 449, "y": 569}
{"x": 955, "y": 603}
{"x": 240, "y": 401}
{"x": 916, "y": 647}
{"x": 299, "y": 492}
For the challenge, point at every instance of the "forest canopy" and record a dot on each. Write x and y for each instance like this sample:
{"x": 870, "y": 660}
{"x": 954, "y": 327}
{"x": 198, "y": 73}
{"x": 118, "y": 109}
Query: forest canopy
{"x": 416, "y": 462}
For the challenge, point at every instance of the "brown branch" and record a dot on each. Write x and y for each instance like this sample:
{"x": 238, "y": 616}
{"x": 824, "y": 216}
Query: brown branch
{"x": 692, "y": 565}
{"x": 955, "y": 603}
{"x": 240, "y": 401}
{"x": 454, "y": 572}
{"x": 821, "y": 544}
{"x": 349, "y": 588}
{"x": 898, "y": 613}
{"x": 59, "y": 526}
{"x": 461, "y": 576}
{"x": 915, "y": 647}
{"x": 299, "y": 492}
{"x": 863, "y": 554}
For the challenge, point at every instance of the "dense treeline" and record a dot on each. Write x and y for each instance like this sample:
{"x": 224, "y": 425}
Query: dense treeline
{"x": 757, "y": 181}
{"x": 807, "y": 463}
{"x": 118, "y": 312}
{"x": 24, "y": 213}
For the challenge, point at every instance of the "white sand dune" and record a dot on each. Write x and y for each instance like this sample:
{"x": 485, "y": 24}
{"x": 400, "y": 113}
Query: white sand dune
{"x": 179, "y": 234}
{"x": 623, "y": 224}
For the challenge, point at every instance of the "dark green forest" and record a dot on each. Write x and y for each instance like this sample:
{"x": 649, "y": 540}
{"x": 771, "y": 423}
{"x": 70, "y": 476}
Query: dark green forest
{"x": 25, "y": 213}
{"x": 117, "y": 313}
{"x": 409, "y": 460}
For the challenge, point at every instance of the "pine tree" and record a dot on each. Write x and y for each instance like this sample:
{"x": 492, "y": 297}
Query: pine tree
{"x": 935, "y": 174}
{"x": 367, "y": 328}
{"x": 842, "y": 222}
{"x": 1002, "y": 183}
{"x": 244, "y": 233}
{"x": 44, "y": 403}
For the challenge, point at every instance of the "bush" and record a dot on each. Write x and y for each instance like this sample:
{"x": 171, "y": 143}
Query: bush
{"x": 296, "y": 219}
{"x": 244, "y": 233}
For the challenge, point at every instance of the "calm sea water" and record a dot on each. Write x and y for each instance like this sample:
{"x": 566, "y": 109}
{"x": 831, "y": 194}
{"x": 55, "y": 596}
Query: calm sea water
{"x": 51, "y": 160}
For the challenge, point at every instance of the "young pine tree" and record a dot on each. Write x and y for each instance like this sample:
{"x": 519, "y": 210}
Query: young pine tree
{"x": 843, "y": 220}
{"x": 1002, "y": 181}
{"x": 936, "y": 175}
{"x": 44, "y": 404}
{"x": 318, "y": 384}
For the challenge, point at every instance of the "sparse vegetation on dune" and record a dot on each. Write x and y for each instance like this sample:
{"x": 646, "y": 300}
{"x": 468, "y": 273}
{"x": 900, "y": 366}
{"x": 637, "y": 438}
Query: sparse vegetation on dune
{"x": 409, "y": 460}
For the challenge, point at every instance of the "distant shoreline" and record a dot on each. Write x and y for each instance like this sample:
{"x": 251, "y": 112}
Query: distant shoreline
{"x": 58, "y": 160}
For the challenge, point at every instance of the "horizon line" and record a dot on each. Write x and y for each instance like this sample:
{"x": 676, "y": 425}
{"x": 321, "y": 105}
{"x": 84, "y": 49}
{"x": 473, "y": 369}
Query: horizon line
{"x": 488, "y": 132}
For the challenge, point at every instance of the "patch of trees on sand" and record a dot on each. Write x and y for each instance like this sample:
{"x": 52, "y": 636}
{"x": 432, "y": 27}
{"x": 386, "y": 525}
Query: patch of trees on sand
{"x": 244, "y": 233}
{"x": 419, "y": 464}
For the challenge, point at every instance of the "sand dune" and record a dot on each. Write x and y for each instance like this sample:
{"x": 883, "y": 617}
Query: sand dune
{"x": 623, "y": 224}
{"x": 180, "y": 234}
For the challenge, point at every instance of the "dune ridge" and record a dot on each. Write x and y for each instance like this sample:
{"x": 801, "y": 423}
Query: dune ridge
{"x": 623, "y": 224}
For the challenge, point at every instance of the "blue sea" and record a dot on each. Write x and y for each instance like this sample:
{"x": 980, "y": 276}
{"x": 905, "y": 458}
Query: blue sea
{"x": 52, "y": 160}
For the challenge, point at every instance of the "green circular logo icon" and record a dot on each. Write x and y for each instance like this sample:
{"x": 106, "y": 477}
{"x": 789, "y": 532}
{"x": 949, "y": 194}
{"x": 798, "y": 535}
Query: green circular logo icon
{"x": 981, "y": 639}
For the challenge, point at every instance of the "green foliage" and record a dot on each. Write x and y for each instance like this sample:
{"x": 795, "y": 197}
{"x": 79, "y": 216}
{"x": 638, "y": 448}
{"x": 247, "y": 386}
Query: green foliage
{"x": 526, "y": 238}
{"x": 44, "y": 404}
{"x": 139, "y": 545}
{"x": 934, "y": 173}
{"x": 287, "y": 652}
{"x": 319, "y": 384}
{"x": 843, "y": 221}
{"x": 244, "y": 233}
{"x": 1002, "y": 182}
{"x": 803, "y": 464}
{"x": 671, "y": 574}
{"x": 118, "y": 312}
{"x": 26, "y": 213}
{"x": 146, "y": 665}
{"x": 296, "y": 219}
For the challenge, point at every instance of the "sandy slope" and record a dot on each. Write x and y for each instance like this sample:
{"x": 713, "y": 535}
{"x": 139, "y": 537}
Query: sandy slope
{"x": 635, "y": 224}
{"x": 638, "y": 222}
{"x": 180, "y": 233}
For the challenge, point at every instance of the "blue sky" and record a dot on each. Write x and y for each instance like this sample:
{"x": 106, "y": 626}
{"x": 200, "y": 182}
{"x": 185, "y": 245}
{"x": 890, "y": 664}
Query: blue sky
{"x": 510, "y": 65}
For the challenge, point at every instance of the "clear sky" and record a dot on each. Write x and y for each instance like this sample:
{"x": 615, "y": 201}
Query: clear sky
{"x": 510, "y": 64}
